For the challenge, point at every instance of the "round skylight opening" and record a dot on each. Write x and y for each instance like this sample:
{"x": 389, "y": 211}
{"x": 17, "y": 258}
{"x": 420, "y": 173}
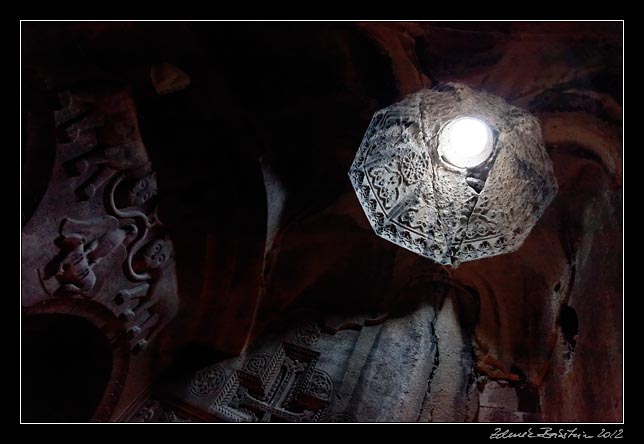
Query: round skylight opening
{"x": 465, "y": 142}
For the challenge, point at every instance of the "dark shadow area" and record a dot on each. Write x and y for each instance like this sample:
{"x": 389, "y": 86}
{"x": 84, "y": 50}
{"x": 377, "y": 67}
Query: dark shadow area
{"x": 569, "y": 323}
{"x": 38, "y": 149}
{"x": 66, "y": 365}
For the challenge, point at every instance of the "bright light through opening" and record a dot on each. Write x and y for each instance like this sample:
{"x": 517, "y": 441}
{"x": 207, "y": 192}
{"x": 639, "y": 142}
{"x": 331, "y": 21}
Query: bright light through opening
{"x": 465, "y": 142}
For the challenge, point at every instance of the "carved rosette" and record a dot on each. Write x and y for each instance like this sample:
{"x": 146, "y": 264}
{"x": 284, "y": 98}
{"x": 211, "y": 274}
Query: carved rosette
{"x": 307, "y": 333}
{"x": 415, "y": 199}
{"x": 320, "y": 385}
{"x": 207, "y": 381}
{"x": 95, "y": 235}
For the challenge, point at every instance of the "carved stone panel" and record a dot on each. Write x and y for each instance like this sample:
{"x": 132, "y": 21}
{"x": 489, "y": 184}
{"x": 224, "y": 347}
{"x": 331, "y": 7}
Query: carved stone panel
{"x": 416, "y": 199}
{"x": 284, "y": 387}
{"x": 369, "y": 369}
{"x": 95, "y": 234}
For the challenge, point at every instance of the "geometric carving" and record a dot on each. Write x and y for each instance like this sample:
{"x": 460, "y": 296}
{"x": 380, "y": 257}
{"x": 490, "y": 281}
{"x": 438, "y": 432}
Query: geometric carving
{"x": 207, "y": 381}
{"x": 256, "y": 363}
{"x": 415, "y": 198}
{"x": 307, "y": 333}
{"x": 367, "y": 370}
{"x": 320, "y": 385}
{"x": 284, "y": 386}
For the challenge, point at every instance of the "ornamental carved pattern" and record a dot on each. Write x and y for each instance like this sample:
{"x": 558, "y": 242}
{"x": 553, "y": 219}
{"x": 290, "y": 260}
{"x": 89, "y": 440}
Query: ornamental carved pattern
{"x": 96, "y": 235}
{"x": 415, "y": 199}
{"x": 284, "y": 386}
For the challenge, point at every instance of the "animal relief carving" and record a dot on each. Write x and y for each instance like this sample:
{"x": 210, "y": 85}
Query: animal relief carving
{"x": 154, "y": 256}
{"x": 83, "y": 244}
{"x": 110, "y": 244}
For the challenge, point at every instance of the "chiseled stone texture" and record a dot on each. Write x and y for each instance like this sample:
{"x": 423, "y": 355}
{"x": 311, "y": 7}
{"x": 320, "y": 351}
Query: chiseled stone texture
{"x": 415, "y": 365}
{"x": 94, "y": 243}
{"x": 372, "y": 373}
{"x": 418, "y": 201}
{"x": 96, "y": 234}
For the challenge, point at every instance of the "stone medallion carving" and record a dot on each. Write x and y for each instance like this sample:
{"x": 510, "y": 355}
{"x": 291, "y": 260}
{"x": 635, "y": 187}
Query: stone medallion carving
{"x": 207, "y": 381}
{"x": 416, "y": 199}
{"x": 256, "y": 363}
{"x": 320, "y": 385}
{"x": 307, "y": 333}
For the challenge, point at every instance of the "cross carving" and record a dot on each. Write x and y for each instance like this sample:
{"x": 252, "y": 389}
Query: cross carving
{"x": 283, "y": 387}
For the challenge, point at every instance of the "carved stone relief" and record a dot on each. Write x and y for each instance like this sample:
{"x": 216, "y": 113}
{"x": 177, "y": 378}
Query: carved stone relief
{"x": 415, "y": 199}
{"x": 207, "y": 381}
{"x": 284, "y": 387}
{"x": 83, "y": 244}
{"x": 307, "y": 333}
{"x": 412, "y": 363}
{"x": 355, "y": 369}
{"x": 95, "y": 233}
